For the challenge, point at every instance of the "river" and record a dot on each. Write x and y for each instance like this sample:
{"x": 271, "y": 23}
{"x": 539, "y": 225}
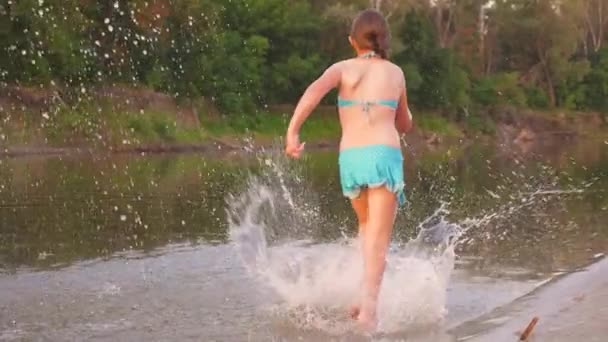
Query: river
{"x": 252, "y": 246}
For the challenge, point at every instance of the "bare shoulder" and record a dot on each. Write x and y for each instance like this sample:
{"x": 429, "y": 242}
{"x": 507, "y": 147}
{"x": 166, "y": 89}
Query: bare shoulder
{"x": 398, "y": 76}
{"x": 336, "y": 68}
{"x": 340, "y": 64}
{"x": 396, "y": 69}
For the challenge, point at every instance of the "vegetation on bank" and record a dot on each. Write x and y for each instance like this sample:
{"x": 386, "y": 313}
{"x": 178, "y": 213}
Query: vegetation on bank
{"x": 93, "y": 126}
{"x": 241, "y": 57}
{"x": 88, "y": 127}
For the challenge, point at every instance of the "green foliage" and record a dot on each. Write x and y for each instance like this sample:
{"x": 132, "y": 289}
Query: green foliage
{"x": 435, "y": 123}
{"x": 438, "y": 81}
{"x": 595, "y": 84}
{"x": 272, "y": 125}
{"x": 241, "y": 55}
{"x": 413, "y": 77}
{"x": 479, "y": 123}
{"x": 77, "y": 124}
{"x": 499, "y": 89}
{"x": 536, "y": 98}
{"x": 152, "y": 126}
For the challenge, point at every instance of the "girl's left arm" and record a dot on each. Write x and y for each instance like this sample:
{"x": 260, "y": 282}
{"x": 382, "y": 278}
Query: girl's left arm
{"x": 403, "y": 119}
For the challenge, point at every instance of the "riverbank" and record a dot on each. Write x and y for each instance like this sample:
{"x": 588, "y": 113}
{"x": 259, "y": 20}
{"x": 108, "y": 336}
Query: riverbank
{"x": 127, "y": 120}
{"x": 573, "y": 306}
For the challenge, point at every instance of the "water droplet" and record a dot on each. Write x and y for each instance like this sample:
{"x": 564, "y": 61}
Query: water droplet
{"x": 123, "y": 217}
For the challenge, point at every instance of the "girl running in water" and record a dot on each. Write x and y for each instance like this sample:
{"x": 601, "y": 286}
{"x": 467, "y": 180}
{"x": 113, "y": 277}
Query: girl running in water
{"x": 373, "y": 112}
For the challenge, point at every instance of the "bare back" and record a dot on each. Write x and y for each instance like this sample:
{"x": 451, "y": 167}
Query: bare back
{"x": 375, "y": 81}
{"x": 372, "y": 101}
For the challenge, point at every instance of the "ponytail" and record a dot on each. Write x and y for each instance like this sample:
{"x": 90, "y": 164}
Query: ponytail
{"x": 370, "y": 31}
{"x": 375, "y": 45}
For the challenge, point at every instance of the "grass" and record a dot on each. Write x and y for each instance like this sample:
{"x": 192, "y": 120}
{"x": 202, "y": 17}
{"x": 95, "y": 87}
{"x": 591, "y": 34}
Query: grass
{"x": 160, "y": 127}
{"x": 436, "y": 123}
{"x": 101, "y": 126}
{"x": 96, "y": 125}
{"x": 266, "y": 126}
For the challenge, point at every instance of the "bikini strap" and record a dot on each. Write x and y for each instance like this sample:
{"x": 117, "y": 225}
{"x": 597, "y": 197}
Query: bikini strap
{"x": 368, "y": 55}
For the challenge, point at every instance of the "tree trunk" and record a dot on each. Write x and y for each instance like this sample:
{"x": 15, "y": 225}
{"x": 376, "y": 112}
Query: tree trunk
{"x": 482, "y": 37}
{"x": 600, "y": 19}
{"x": 585, "y": 45}
{"x": 443, "y": 24}
{"x": 548, "y": 77}
{"x": 375, "y": 4}
{"x": 489, "y": 55}
{"x": 594, "y": 17}
{"x": 438, "y": 21}
{"x": 446, "y": 30}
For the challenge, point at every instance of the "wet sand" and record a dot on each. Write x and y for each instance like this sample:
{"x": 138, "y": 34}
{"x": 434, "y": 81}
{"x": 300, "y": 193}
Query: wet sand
{"x": 573, "y": 306}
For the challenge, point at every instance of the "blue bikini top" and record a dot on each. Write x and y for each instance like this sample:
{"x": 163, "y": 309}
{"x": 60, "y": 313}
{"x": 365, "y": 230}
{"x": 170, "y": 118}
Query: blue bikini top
{"x": 367, "y": 104}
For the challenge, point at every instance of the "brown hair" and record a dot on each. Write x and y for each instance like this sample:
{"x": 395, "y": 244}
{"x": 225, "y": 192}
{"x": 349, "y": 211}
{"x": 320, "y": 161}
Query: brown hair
{"x": 370, "y": 31}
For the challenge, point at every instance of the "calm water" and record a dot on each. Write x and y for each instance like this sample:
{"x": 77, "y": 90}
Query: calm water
{"x": 138, "y": 247}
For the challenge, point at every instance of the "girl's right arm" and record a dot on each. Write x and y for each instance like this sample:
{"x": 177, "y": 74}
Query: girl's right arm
{"x": 311, "y": 98}
{"x": 403, "y": 119}
{"x": 313, "y": 95}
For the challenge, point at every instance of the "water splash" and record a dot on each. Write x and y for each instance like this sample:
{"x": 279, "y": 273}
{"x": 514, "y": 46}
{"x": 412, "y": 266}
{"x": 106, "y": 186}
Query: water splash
{"x": 271, "y": 225}
{"x": 317, "y": 282}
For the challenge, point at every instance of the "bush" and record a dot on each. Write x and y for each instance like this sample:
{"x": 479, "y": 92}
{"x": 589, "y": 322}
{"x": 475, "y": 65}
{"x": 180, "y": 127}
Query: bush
{"x": 435, "y": 123}
{"x": 438, "y": 79}
{"x": 536, "y": 98}
{"x": 595, "y": 85}
{"x": 476, "y": 122}
{"x": 499, "y": 89}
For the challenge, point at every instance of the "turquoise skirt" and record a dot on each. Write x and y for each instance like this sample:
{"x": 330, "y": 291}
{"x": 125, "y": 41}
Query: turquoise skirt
{"x": 372, "y": 166}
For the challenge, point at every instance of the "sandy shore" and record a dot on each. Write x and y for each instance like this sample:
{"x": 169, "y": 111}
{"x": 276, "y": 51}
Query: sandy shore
{"x": 573, "y": 306}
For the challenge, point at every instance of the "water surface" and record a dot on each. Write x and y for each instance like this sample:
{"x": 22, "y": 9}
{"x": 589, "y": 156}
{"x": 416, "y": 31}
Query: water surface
{"x": 138, "y": 247}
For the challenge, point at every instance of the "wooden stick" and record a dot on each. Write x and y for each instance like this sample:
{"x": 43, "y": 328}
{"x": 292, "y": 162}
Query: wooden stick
{"x": 524, "y": 336}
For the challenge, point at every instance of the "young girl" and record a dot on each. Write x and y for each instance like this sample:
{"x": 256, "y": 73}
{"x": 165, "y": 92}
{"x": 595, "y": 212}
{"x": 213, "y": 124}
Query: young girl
{"x": 373, "y": 111}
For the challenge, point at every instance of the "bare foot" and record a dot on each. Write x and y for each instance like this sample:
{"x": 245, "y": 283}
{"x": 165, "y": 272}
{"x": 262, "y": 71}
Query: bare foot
{"x": 354, "y": 311}
{"x": 367, "y": 322}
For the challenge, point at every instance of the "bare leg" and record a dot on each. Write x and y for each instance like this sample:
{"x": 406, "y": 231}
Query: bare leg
{"x": 382, "y": 205}
{"x": 360, "y": 207}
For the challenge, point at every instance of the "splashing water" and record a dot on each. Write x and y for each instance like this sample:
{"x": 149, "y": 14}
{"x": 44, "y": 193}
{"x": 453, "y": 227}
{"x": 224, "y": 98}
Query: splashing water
{"x": 317, "y": 282}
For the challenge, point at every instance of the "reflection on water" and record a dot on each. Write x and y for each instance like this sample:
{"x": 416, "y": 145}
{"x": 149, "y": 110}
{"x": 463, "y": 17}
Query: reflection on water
{"x": 161, "y": 220}
{"x": 56, "y": 211}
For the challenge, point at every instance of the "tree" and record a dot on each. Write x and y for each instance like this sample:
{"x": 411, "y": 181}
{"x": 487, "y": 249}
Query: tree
{"x": 439, "y": 79}
{"x": 595, "y": 19}
{"x": 538, "y": 38}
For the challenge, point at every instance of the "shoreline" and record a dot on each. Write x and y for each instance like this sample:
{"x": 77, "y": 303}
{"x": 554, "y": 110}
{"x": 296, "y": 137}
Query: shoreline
{"x": 210, "y": 147}
{"x": 128, "y": 128}
{"x": 581, "y": 293}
